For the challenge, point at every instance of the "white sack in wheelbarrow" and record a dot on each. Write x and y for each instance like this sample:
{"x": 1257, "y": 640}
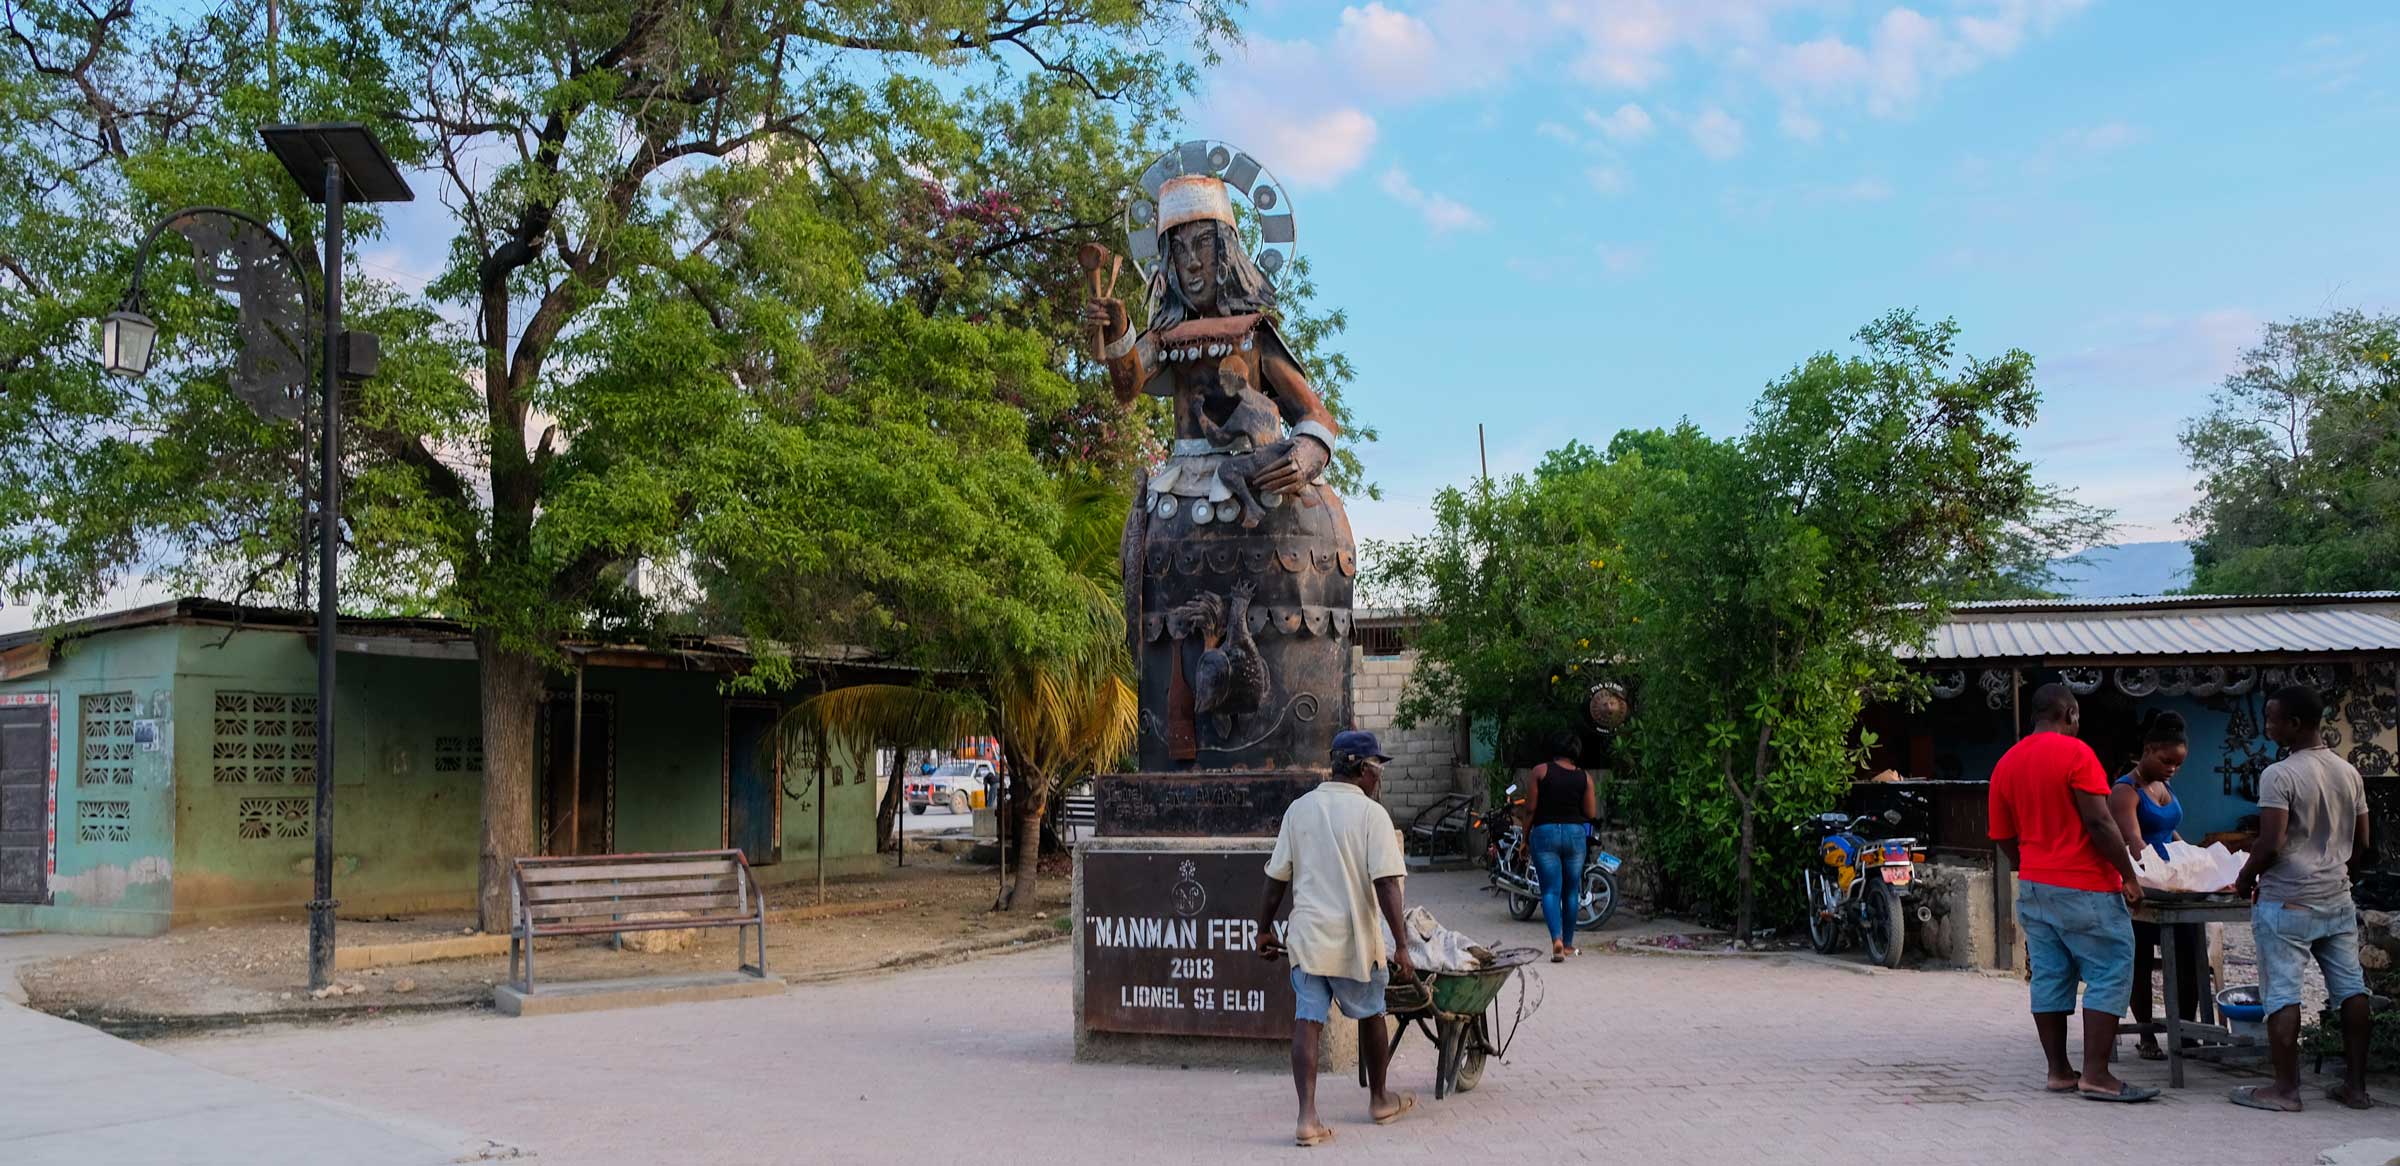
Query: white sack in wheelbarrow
{"x": 1435, "y": 948}
{"x": 2189, "y": 868}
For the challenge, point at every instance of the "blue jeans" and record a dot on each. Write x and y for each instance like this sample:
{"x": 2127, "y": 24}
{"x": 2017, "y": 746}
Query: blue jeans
{"x": 2075, "y": 935}
{"x": 1558, "y": 860}
{"x": 2289, "y": 933}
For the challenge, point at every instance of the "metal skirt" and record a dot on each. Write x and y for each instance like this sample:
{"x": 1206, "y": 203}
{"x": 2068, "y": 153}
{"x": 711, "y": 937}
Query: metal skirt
{"x": 1302, "y": 565}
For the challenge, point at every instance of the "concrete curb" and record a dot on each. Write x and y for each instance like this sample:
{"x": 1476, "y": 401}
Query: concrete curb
{"x": 457, "y": 947}
{"x": 1024, "y": 939}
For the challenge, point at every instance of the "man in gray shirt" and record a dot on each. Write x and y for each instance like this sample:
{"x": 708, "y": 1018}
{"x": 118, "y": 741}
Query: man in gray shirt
{"x": 2312, "y": 836}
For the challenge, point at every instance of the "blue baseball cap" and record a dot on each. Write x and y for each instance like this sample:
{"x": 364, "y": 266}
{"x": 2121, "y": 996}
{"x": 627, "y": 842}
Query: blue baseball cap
{"x": 1358, "y": 743}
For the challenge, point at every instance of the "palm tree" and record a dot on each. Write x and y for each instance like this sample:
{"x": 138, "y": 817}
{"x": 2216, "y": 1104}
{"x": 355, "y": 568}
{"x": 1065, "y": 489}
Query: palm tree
{"x": 1060, "y": 716}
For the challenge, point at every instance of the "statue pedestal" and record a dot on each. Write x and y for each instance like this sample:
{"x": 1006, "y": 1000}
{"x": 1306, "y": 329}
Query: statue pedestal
{"x": 1167, "y": 970}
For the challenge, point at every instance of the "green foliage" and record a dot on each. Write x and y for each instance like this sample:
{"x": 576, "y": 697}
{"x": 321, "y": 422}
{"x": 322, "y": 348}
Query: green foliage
{"x": 2299, "y": 462}
{"x": 708, "y": 266}
{"x": 1753, "y": 589}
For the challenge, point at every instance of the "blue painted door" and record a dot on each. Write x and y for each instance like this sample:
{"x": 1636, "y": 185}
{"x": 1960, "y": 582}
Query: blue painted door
{"x": 753, "y": 783}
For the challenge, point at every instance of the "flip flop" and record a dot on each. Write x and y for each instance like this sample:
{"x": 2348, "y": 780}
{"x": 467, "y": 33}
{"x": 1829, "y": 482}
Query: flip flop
{"x": 2150, "y": 1052}
{"x": 2248, "y": 1097}
{"x": 2341, "y": 1093}
{"x": 2129, "y": 1094}
{"x": 2061, "y": 1088}
{"x": 1558, "y": 957}
{"x": 1408, "y": 1101}
{"x": 1319, "y": 1138}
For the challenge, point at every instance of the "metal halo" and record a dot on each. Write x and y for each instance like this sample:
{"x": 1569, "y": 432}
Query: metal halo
{"x": 1270, "y": 203}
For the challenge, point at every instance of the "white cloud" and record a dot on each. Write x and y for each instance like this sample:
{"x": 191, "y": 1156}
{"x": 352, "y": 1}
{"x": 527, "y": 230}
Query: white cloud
{"x": 1392, "y": 51}
{"x": 1558, "y": 133}
{"x": 1625, "y": 259}
{"x": 2102, "y": 138}
{"x": 1861, "y": 190}
{"x": 1799, "y": 126}
{"x": 1717, "y": 133}
{"x": 1630, "y": 123}
{"x": 1441, "y": 212}
{"x": 1606, "y": 179}
{"x": 1889, "y": 70}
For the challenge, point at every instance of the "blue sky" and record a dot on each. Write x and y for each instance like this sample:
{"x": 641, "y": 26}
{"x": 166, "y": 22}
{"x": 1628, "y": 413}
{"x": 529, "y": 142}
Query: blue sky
{"x": 1565, "y": 219}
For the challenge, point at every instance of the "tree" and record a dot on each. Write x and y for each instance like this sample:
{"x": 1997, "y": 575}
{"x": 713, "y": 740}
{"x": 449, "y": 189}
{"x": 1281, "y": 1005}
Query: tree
{"x": 1754, "y": 590}
{"x": 717, "y": 303}
{"x": 1508, "y": 589}
{"x": 2299, "y": 462}
{"x": 1061, "y": 713}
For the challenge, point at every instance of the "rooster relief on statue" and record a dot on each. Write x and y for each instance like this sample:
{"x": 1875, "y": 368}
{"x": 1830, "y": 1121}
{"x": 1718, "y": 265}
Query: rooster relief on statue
{"x": 1231, "y": 679}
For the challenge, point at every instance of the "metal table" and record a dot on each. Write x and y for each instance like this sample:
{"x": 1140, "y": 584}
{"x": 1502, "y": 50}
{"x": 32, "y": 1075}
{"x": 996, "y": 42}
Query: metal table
{"x": 2207, "y": 1038}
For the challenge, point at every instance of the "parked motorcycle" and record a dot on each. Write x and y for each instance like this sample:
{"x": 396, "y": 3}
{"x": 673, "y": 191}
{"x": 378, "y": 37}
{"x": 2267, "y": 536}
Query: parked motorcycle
{"x": 1512, "y": 874}
{"x": 1861, "y": 886}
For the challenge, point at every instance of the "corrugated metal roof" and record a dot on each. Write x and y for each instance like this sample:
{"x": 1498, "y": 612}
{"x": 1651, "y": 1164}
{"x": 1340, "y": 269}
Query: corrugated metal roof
{"x": 2179, "y": 602}
{"x": 2255, "y": 629}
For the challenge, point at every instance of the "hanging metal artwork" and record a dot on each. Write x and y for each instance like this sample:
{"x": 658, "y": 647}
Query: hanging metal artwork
{"x": 2174, "y": 680}
{"x": 1607, "y": 706}
{"x": 2239, "y": 680}
{"x": 1947, "y": 684}
{"x": 1999, "y": 687}
{"x": 2137, "y": 682}
{"x": 240, "y": 259}
{"x": 2081, "y": 681}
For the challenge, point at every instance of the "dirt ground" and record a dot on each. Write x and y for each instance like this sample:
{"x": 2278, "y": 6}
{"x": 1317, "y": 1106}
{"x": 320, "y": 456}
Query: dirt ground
{"x": 242, "y": 972}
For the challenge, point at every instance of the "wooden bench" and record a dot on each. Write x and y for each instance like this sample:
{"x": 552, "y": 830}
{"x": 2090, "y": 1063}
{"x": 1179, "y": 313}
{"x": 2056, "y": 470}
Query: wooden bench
{"x": 1082, "y": 813}
{"x": 594, "y": 895}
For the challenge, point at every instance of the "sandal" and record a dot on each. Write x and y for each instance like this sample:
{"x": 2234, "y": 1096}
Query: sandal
{"x": 1323, "y": 1135}
{"x": 1408, "y": 1101}
{"x": 2341, "y": 1094}
{"x": 2149, "y": 1051}
{"x": 2247, "y": 1096}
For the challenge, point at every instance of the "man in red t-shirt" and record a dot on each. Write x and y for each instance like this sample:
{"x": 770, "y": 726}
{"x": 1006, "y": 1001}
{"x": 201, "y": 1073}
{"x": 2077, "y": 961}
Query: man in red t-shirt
{"x": 2075, "y": 885}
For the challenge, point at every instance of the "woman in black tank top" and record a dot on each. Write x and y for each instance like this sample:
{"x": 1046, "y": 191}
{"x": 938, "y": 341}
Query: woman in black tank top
{"x": 1558, "y": 822}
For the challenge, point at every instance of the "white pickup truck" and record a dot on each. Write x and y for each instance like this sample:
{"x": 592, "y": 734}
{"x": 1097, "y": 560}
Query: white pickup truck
{"x": 956, "y": 784}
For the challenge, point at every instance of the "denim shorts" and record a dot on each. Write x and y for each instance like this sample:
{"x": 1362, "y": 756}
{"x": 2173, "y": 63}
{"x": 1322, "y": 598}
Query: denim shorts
{"x": 2073, "y": 935}
{"x": 2289, "y": 933}
{"x": 1312, "y": 996}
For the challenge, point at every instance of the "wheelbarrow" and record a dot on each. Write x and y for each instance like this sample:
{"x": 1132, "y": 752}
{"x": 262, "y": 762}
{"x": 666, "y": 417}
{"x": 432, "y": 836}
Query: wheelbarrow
{"x": 1454, "y": 1010}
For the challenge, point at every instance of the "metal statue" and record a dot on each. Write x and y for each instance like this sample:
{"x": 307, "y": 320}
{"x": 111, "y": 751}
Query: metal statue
{"x": 1238, "y": 558}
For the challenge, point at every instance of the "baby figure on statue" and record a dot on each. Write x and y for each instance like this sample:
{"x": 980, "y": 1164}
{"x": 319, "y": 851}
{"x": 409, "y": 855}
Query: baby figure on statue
{"x": 1248, "y": 414}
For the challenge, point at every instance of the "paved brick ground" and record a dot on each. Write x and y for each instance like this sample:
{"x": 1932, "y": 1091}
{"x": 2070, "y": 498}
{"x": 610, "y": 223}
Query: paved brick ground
{"x": 1656, "y": 1059}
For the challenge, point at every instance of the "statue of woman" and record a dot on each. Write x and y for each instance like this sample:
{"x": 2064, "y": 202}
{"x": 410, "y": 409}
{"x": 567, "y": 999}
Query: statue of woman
{"x": 1222, "y": 510}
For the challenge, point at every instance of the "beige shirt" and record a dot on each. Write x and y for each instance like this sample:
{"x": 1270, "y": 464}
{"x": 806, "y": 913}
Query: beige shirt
{"x": 2324, "y": 796}
{"x": 1334, "y": 844}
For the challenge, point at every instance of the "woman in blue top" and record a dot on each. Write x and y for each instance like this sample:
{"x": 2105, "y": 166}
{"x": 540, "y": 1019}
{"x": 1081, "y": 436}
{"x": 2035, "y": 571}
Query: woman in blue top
{"x": 2147, "y": 815}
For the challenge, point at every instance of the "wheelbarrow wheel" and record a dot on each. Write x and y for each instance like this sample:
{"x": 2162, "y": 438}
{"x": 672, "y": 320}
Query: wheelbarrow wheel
{"x": 1470, "y": 1064}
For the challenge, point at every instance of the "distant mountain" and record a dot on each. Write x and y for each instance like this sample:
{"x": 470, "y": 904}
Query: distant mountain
{"x": 2129, "y": 569}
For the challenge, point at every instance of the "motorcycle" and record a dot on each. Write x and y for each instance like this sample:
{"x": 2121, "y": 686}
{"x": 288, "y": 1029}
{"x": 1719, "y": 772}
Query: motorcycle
{"x": 1512, "y": 874}
{"x": 1861, "y": 886}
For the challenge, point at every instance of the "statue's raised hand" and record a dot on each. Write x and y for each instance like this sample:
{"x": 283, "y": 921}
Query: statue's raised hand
{"x": 1303, "y": 459}
{"x": 1107, "y": 313}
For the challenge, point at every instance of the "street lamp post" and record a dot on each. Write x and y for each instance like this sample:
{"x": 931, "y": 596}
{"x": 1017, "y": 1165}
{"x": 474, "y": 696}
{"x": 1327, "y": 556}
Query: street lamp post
{"x": 334, "y": 164}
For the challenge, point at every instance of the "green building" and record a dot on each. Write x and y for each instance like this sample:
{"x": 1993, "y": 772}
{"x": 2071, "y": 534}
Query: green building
{"x": 157, "y": 767}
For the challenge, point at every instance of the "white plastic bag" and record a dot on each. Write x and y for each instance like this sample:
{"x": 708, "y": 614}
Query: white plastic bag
{"x": 2189, "y": 868}
{"x": 1435, "y": 948}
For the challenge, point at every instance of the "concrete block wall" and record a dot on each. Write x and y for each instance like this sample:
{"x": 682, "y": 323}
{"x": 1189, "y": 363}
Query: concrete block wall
{"x": 1424, "y": 766}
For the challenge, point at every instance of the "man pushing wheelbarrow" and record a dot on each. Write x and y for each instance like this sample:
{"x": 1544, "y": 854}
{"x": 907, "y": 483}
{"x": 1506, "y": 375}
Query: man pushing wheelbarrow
{"x": 1339, "y": 860}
